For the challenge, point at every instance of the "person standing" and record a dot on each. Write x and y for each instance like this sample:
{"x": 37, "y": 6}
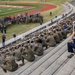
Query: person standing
{"x": 14, "y": 36}
{"x": 3, "y": 40}
{"x": 50, "y": 13}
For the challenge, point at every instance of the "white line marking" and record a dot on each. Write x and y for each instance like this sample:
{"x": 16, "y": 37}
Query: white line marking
{"x": 13, "y": 11}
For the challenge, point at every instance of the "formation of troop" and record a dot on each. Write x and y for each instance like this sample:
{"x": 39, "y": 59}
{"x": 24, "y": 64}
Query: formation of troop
{"x": 34, "y": 44}
{"x": 33, "y": 18}
{"x": 20, "y": 19}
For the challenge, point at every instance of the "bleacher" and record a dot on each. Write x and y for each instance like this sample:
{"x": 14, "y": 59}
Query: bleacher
{"x": 53, "y": 62}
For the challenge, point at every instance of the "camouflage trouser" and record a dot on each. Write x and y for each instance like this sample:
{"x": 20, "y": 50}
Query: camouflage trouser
{"x": 39, "y": 53}
{"x": 5, "y": 67}
{"x": 1, "y": 30}
{"x": 45, "y": 45}
{"x": 19, "y": 21}
{"x": 51, "y": 45}
{"x": 28, "y": 59}
{"x": 64, "y": 36}
{"x": 60, "y": 35}
{"x": 26, "y": 21}
{"x": 57, "y": 40}
{"x": 40, "y": 22}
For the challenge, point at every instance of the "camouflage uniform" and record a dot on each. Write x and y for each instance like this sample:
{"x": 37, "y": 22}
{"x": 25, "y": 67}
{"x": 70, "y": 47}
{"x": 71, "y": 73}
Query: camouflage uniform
{"x": 43, "y": 37}
{"x": 31, "y": 44}
{"x": 18, "y": 54}
{"x": 60, "y": 34}
{"x": 50, "y": 40}
{"x": 64, "y": 33}
{"x": 56, "y": 37}
{"x": 2, "y": 57}
{"x": 11, "y": 50}
{"x": 9, "y": 63}
{"x": 38, "y": 49}
{"x": 27, "y": 54}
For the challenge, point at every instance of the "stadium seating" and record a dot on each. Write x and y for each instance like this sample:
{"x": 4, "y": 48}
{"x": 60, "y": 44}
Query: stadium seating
{"x": 53, "y": 62}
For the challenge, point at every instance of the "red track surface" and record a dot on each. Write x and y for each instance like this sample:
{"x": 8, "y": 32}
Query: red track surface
{"x": 46, "y": 7}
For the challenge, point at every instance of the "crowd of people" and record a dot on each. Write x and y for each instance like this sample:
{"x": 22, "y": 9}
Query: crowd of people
{"x": 35, "y": 44}
{"x": 20, "y": 19}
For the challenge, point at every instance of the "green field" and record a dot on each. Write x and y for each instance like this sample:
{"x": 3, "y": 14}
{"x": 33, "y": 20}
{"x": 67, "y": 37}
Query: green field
{"x": 18, "y": 29}
{"x": 11, "y": 11}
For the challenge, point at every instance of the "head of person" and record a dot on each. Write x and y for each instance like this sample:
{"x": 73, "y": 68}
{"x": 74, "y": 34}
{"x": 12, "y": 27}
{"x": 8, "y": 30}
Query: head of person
{"x": 7, "y": 54}
{"x": 54, "y": 30}
{"x": 13, "y": 47}
{"x": 26, "y": 46}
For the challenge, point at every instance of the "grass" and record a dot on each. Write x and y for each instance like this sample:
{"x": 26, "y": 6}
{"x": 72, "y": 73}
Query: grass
{"x": 12, "y": 11}
{"x": 18, "y": 29}
{"x": 55, "y": 12}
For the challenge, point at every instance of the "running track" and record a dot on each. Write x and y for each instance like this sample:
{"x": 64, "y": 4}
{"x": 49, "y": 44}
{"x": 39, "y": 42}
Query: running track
{"x": 46, "y": 7}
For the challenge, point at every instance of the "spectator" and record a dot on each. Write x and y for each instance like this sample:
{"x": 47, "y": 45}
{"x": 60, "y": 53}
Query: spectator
{"x": 38, "y": 48}
{"x": 50, "y": 13}
{"x": 14, "y": 36}
{"x": 71, "y": 45}
{"x": 3, "y": 40}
